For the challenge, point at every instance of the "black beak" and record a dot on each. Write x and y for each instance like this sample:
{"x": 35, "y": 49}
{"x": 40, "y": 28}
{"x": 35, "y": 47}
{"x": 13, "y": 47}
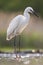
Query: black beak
{"x": 35, "y": 14}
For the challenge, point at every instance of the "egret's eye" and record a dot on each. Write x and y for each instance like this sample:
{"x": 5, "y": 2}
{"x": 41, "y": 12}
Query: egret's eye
{"x": 30, "y": 10}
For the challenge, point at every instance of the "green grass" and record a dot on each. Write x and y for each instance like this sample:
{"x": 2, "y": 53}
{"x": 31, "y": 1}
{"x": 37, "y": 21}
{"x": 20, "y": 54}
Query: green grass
{"x": 28, "y": 41}
{"x": 13, "y": 49}
{"x": 9, "y": 49}
{"x": 6, "y": 49}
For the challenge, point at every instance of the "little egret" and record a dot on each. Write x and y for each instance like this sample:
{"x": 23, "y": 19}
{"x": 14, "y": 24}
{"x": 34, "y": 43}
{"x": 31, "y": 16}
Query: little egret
{"x": 18, "y": 24}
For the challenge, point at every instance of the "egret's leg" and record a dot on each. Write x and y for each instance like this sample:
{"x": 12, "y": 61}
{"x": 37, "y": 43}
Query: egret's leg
{"x": 15, "y": 46}
{"x": 19, "y": 45}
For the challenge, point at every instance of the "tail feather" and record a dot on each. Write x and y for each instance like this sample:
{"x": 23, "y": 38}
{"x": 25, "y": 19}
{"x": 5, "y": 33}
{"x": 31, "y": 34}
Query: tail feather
{"x": 9, "y": 38}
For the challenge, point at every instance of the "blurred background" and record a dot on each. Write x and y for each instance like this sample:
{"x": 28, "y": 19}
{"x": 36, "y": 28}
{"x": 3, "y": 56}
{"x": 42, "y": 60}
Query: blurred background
{"x": 32, "y": 36}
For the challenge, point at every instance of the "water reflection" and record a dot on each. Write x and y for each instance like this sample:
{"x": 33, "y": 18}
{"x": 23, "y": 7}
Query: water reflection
{"x": 27, "y": 59}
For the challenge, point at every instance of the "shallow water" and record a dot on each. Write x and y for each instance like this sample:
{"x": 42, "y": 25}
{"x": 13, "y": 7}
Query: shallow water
{"x": 27, "y": 59}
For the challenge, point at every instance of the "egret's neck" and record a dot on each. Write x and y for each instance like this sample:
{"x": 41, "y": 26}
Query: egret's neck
{"x": 26, "y": 14}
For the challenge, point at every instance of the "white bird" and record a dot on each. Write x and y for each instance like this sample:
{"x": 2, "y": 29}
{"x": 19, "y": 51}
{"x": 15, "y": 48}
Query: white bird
{"x": 19, "y": 23}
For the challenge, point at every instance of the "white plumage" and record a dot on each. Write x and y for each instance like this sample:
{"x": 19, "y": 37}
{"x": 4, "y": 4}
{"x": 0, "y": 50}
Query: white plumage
{"x": 19, "y": 23}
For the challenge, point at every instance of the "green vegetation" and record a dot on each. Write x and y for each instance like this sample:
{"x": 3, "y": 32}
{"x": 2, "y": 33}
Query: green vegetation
{"x": 32, "y": 41}
{"x": 20, "y": 5}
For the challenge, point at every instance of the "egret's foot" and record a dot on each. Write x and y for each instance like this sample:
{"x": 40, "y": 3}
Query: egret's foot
{"x": 18, "y": 58}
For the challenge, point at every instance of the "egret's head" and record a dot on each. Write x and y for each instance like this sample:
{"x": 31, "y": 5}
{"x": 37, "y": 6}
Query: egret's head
{"x": 30, "y": 10}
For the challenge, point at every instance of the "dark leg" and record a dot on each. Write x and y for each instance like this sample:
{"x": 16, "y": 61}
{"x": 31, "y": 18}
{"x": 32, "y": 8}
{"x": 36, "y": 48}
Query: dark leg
{"x": 15, "y": 46}
{"x": 19, "y": 45}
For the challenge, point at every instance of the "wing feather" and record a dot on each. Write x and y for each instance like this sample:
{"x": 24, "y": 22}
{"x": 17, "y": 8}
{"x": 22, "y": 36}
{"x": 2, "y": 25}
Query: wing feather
{"x": 12, "y": 27}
